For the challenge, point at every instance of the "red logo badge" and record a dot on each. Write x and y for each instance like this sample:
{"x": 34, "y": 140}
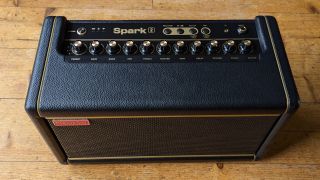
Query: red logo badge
{"x": 71, "y": 122}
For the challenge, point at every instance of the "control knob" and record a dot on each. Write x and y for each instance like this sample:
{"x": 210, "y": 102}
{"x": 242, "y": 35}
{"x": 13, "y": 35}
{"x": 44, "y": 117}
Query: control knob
{"x": 212, "y": 47}
{"x": 78, "y": 48}
{"x": 196, "y": 47}
{"x": 95, "y": 48}
{"x": 129, "y": 48}
{"x": 245, "y": 47}
{"x": 113, "y": 48}
{"x": 163, "y": 48}
{"x": 228, "y": 47}
{"x": 179, "y": 47}
{"x": 146, "y": 47}
{"x": 81, "y": 31}
{"x": 242, "y": 29}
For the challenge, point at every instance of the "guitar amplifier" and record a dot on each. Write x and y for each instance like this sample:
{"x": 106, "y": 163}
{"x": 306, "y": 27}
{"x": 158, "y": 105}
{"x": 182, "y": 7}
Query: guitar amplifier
{"x": 154, "y": 89}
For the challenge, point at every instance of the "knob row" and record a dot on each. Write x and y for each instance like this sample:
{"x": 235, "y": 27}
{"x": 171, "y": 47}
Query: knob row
{"x": 163, "y": 47}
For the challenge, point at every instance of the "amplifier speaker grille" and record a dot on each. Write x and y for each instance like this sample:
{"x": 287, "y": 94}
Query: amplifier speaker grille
{"x": 163, "y": 136}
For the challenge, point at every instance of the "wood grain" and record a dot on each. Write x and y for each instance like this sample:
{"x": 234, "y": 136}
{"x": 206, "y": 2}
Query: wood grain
{"x": 120, "y": 4}
{"x": 295, "y": 153}
{"x": 203, "y": 170}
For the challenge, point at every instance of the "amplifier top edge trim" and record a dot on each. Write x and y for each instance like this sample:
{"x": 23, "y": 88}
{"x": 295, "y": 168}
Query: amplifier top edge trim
{"x": 168, "y": 156}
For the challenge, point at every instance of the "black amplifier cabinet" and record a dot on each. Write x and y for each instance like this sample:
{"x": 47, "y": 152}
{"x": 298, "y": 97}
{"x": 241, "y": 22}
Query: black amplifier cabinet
{"x": 112, "y": 90}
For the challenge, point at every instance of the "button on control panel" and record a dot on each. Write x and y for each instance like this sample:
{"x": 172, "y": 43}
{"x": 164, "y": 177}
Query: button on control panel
{"x": 200, "y": 41}
{"x": 180, "y": 31}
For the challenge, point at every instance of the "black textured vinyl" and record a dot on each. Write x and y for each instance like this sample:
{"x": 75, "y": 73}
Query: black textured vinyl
{"x": 164, "y": 136}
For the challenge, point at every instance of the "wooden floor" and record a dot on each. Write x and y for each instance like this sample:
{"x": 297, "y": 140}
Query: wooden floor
{"x": 295, "y": 154}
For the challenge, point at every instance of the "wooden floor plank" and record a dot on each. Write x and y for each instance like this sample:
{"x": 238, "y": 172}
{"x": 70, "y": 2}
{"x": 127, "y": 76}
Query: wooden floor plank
{"x": 302, "y": 45}
{"x": 284, "y": 6}
{"x": 14, "y": 84}
{"x": 8, "y": 3}
{"x": 15, "y": 67}
{"x": 52, "y": 170}
{"x": 18, "y": 59}
{"x": 306, "y": 119}
{"x": 18, "y": 14}
{"x": 34, "y": 14}
{"x": 27, "y": 31}
{"x": 19, "y": 139}
{"x": 121, "y": 4}
{"x": 294, "y": 148}
{"x": 288, "y": 6}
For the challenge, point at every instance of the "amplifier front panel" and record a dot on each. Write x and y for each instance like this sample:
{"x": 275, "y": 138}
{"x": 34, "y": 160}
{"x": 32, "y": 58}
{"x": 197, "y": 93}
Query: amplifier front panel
{"x": 163, "y": 137}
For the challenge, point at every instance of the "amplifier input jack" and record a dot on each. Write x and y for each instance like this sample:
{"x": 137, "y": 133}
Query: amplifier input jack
{"x": 206, "y": 31}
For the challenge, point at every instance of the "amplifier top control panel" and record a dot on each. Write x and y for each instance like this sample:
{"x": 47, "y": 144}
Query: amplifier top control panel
{"x": 147, "y": 41}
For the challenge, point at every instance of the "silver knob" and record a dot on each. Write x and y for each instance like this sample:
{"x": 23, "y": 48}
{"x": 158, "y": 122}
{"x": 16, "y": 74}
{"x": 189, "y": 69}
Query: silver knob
{"x": 129, "y": 48}
{"x": 197, "y": 43}
{"x": 196, "y": 47}
{"x": 146, "y": 43}
{"x": 95, "y": 48}
{"x": 241, "y": 29}
{"x": 228, "y": 47}
{"x": 180, "y": 43}
{"x": 112, "y": 43}
{"x": 163, "y": 48}
{"x": 214, "y": 43}
{"x": 146, "y": 47}
{"x": 77, "y": 44}
{"x": 163, "y": 43}
{"x": 179, "y": 47}
{"x": 113, "y": 48}
{"x": 78, "y": 48}
{"x": 129, "y": 43}
{"x": 95, "y": 44}
{"x": 212, "y": 47}
{"x": 245, "y": 46}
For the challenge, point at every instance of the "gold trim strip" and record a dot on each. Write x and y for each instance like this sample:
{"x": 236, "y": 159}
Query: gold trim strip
{"x": 170, "y": 116}
{"x": 162, "y": 39}
{"x": 169, "y": 156}
{"x": 45, "y": 67}
{"x": 279, "y": 67}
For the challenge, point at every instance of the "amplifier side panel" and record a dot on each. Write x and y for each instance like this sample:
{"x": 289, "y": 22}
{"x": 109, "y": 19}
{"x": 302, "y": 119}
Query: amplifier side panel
{"x": 34, "y": 87}
{"x": 269, "y": 34}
